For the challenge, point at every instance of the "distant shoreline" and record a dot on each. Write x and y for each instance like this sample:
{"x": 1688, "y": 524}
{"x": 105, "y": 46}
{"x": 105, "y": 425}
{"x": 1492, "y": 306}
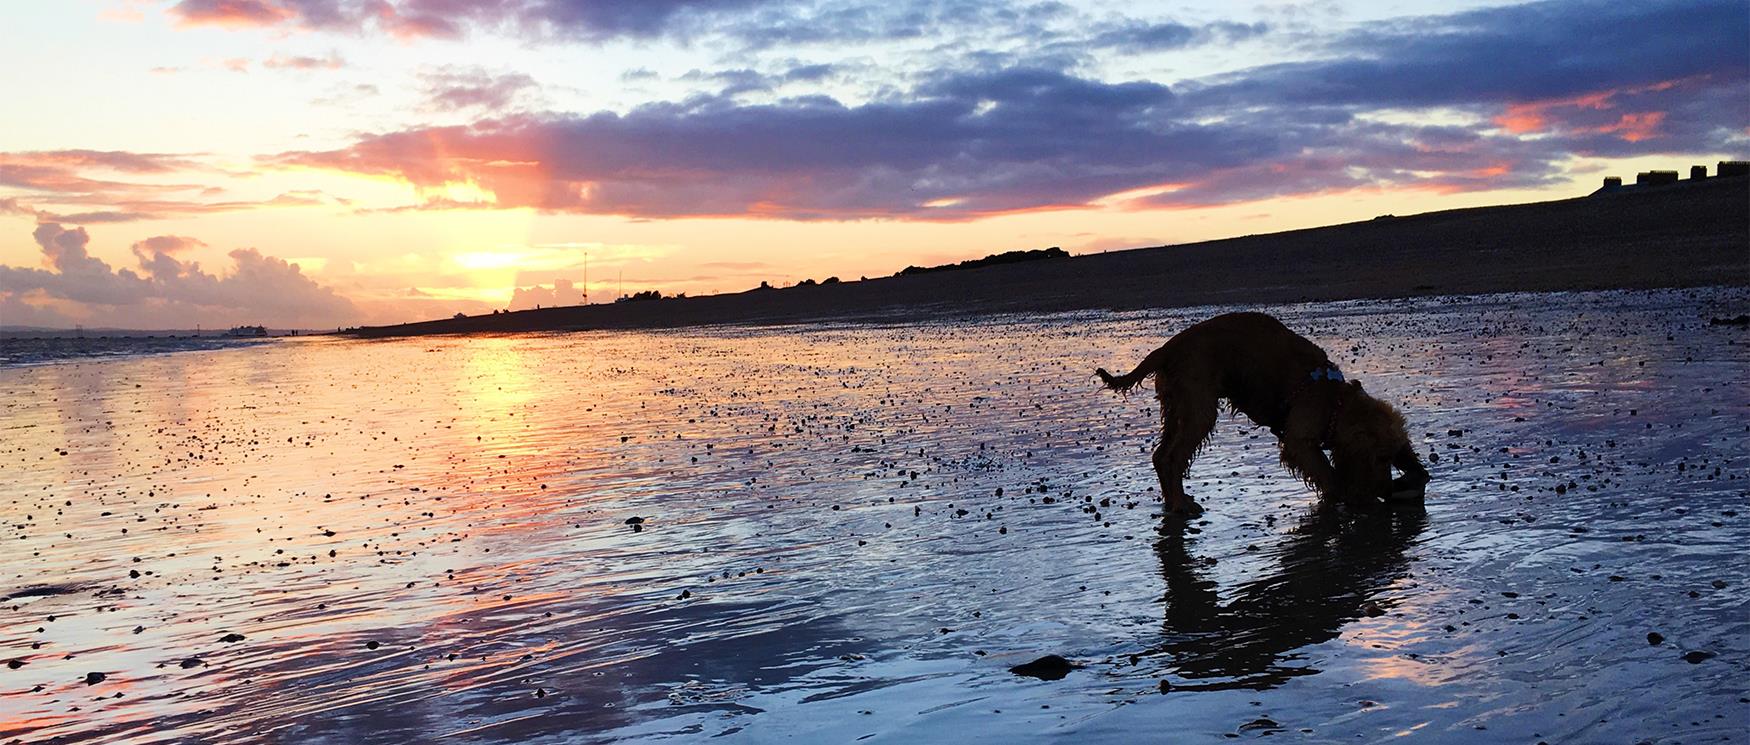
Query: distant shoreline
{"x": 1688, "y": 234}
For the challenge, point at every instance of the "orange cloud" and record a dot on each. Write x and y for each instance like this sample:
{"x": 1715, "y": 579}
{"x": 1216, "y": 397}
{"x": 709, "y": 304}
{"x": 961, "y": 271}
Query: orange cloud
{"x": 1531, "y": 117}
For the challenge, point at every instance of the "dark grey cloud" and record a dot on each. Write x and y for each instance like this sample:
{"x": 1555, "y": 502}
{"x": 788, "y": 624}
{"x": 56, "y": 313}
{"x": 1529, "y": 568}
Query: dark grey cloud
{"x": 733, "y": 82}
{"x": 771, "y": 25}
{"x": 1512, "y": 53}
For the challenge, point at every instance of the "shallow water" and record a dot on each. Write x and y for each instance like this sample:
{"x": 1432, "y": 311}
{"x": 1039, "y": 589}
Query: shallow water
{"x": 851, "y": 533}
{"x": 32, "y": 350}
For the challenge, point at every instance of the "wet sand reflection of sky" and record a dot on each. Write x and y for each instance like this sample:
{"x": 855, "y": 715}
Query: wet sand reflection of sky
{"x": 824, "y": 537}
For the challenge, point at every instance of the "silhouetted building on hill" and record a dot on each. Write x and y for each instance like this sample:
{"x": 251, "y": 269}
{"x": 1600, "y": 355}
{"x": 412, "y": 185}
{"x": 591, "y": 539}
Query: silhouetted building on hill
{"x": 1725, "y": 169}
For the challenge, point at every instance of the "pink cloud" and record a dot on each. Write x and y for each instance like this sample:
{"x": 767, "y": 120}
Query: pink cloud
{"x": 258, "y": 288}
{"x": 233, "y": 12}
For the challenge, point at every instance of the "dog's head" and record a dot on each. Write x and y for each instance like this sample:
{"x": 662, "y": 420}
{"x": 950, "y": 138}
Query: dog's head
{"x": 1367, "y": 440}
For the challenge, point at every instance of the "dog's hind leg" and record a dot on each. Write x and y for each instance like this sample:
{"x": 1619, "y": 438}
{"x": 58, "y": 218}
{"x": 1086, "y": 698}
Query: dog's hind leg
{"x": 1186, "y": 423}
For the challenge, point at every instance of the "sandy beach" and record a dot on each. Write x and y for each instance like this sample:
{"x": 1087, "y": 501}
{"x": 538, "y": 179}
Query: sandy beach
{"x": 1689, "y": 234}
{"x": 851, "y": 532}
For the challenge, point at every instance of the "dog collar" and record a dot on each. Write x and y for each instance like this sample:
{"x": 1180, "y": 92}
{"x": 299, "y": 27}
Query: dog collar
{"x": 1327, "y": 371}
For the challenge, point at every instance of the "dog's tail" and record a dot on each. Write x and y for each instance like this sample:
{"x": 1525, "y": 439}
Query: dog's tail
{"x": 1150, "y": 365}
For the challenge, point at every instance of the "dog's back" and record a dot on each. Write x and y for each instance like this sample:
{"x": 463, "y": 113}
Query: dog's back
{"x": 1233, "y": 353}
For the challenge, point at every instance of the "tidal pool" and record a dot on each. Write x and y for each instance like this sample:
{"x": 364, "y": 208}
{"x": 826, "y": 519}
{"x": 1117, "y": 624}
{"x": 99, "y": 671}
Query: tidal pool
{"x": 851, "y": 533}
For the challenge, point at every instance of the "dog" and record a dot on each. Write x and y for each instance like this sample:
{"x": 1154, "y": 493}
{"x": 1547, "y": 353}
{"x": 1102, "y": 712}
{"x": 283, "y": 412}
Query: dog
{"x": 1280, "y": 380}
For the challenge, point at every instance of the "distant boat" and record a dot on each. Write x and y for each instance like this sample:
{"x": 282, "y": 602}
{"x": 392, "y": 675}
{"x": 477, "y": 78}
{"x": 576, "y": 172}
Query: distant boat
{"x": 245, "y": 331}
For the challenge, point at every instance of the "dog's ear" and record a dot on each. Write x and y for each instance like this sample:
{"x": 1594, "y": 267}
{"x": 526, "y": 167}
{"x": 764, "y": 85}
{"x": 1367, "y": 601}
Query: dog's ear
{"x": 1355, "y": 385}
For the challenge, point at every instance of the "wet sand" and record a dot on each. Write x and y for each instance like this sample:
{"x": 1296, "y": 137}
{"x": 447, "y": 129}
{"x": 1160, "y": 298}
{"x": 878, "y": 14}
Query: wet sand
{"x": 852, "y": 532}
{"x": 1689, "y": 234}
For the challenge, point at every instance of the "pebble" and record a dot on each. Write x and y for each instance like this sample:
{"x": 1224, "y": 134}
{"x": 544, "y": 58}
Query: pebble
{"x": 1049, "y": 667}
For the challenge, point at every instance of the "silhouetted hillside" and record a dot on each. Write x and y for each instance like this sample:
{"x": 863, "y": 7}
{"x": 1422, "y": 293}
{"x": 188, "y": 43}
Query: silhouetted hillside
{"x": 1688, "y": 234}
{"x": 1006, "y": 257}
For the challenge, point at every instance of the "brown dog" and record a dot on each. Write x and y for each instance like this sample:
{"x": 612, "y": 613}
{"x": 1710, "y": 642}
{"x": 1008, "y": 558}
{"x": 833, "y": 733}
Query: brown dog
{"x": 1281, "y": 381}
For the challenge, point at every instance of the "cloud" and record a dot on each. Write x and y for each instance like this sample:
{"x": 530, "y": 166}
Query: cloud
{"x": 297, "y": 62}
{"x": 571, "y": 19}
{"x": 561, "y": 293}
{"x": 1044, "y": 139}
{"x": 167, "y": 290}
{"x": 66, "y": 177}
{"x": 1512, "y": 53}
{"x": 63, "y": 186}
{"x": 11, "y": 206}
{"x": 454, "y": 89}
{"x": 166, "y": 244}
{"x": 114, "y": 160}
{"x": 1632, "y": 79}
{"x": 235, "y": 12}
{"x": 1137, "y": 37}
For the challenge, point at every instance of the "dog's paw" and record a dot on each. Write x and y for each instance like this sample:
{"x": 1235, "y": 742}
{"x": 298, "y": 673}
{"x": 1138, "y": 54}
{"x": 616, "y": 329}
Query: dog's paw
{"x": 1184, "y": 510}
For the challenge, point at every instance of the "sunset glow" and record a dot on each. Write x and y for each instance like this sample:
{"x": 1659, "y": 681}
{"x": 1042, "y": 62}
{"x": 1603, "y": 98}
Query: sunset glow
{"x": 401, "y": 160}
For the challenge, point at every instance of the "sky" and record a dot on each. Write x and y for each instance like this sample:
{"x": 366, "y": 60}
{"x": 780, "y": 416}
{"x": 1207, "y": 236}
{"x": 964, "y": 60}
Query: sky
{"x": 320, "y": 163}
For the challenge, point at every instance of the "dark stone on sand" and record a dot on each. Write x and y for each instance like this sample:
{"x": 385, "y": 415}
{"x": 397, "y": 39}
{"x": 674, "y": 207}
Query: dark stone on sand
{"x": 1655, "y": 638}
{"x": 1697, "y": 657}
{"x": 634, "y": 520}
{"x": 40, "y": 591}
{"x": 1739, "y": 320}
{"x": 192, "y": 662}
{"x": 1259, "y": 724}
{"x": 1372, "y": 609}
{"x": 15, "y": 664}
{"x": 92, "y": 679}
{"x": 1049, "y": 667}
{"x": 231, "y": 637}
{"x": 373, "y": 645}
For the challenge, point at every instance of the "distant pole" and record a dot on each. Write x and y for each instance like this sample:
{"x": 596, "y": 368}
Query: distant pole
{"x": 622, "y": 289}
{"x": 586, "y": 278}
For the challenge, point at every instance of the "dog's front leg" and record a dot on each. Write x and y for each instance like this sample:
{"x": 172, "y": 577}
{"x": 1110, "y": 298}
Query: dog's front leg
{"x": 1415, "y": 475}
{"x": 1307, "y": 461}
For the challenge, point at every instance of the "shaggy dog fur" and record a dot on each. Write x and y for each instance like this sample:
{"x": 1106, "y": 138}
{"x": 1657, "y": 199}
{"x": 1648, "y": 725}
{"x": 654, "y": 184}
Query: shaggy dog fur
{"x": 1282, "y": 381}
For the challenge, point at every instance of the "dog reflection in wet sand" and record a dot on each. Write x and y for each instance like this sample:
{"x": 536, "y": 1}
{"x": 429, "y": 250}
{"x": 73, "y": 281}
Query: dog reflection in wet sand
{"x": 1328, "y": 571}
{"x": 1280, "y": 380}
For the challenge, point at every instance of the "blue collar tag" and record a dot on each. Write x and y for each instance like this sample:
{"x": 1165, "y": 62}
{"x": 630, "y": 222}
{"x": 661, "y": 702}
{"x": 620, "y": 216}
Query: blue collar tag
{"x": 1328, "y": 372}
